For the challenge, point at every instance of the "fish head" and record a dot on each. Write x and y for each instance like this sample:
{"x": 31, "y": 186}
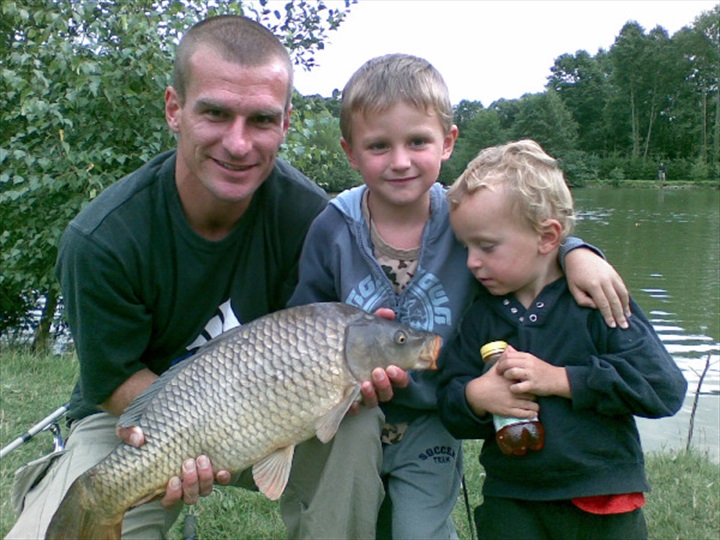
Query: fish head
{"x": 373, "y": 342}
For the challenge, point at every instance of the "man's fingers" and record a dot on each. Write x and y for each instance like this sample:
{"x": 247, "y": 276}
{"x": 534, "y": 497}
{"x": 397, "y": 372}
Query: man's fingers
{"x": 132, "y": 435}
{"x": 190, "y": 482}
{"x": 173, "y": 493}
{"x": 206, "y": 477}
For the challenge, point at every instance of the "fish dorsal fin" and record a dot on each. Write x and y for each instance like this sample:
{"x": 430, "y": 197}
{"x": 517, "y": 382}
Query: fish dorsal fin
{"x": 271, "y": 473}
{"x": 133, "y": 412}
{"x": 327, "y": 426}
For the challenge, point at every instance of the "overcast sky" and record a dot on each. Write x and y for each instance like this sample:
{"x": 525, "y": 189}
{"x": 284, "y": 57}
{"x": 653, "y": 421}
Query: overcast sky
{"x": 485, "y": 50}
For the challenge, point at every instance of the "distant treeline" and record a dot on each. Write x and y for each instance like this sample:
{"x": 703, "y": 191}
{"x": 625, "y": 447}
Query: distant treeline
{"x": 650, "y": 99}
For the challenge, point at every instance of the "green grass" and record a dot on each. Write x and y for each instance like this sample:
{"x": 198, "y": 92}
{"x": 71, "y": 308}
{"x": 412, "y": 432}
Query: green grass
{"x": 684, "y": 503}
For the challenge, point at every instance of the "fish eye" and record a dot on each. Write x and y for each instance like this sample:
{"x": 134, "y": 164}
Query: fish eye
{"x": 400, "y": 337}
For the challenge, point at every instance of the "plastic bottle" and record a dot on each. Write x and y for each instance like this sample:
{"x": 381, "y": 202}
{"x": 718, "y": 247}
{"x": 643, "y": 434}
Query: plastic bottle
{"x": 514, "y": 436}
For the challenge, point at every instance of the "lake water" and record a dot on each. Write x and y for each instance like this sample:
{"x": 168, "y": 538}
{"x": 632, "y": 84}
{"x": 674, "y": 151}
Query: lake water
{"x": 666, "y": 245}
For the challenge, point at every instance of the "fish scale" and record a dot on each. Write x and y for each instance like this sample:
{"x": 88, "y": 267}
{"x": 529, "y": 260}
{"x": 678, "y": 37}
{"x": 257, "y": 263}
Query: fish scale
{"x": 244, "y": 399}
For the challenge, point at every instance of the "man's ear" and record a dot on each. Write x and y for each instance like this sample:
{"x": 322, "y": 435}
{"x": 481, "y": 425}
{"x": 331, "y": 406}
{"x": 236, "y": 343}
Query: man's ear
{"x": 550, "y": 236}
{"x": 173, "y": 109}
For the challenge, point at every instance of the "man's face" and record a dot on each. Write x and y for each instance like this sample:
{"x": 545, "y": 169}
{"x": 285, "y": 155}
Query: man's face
{"x": 230, "y": 126}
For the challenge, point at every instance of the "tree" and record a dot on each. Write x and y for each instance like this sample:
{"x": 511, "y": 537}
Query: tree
{"x": 582, "y": 85}
{"x": 544, "y": 118}
{"x": 628, "y": 55}
{"x": 313, "y": 144}
{"x": 481, "y": 130}
{"x": 699, "y": 52}
{"x": 81, "y": 106}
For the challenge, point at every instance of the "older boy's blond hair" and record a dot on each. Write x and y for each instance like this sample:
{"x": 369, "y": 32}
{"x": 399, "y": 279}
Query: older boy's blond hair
{"x": 534, "y": 183}
{"x": 385, "y": 81}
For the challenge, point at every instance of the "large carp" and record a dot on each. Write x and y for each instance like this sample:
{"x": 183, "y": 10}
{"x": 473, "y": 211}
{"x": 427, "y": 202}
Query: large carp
{"x": 245, "y": 399}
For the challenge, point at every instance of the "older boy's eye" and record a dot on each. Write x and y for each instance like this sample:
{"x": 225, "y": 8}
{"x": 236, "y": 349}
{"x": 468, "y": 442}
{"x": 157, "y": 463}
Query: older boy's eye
{"x": 418, "y": 141}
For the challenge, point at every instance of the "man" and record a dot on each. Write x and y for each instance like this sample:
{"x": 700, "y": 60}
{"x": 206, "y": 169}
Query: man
{"x": 195, "y": 242}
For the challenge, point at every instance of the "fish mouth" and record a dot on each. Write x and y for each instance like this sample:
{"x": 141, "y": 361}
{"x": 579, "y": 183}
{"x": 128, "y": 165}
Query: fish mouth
{"x": 429, "y": 355}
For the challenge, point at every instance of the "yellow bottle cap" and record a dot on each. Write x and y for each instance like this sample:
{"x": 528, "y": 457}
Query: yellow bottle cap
{"x": 494, "y": 347}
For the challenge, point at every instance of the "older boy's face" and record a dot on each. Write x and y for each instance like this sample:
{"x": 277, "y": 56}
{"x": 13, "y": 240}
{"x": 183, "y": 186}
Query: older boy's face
{"x": 399, "y": 152}
{"x": 503, "y": 250}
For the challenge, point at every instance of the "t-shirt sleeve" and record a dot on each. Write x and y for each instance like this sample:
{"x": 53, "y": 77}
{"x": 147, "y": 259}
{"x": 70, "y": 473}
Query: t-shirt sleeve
{"x": 111, "y": 327}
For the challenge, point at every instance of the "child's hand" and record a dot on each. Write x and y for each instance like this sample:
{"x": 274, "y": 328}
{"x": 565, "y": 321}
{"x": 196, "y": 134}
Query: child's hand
{"x": 528, "y": 374}
{"x": 491, "y": 393}
{"x": 594, "y": 283}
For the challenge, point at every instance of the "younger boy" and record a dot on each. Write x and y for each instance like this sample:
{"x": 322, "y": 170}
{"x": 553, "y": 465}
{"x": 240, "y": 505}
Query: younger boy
{"x": 388, "y": 244}
{"x": 512, "y": 210}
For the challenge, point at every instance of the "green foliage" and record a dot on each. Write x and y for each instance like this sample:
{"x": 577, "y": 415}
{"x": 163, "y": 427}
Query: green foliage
{"x": 481, "y": 129}
{"x": 579, "y": 167}
{"x": 700, "y": 169}
{"x": 313, "y": 144}
{"x": 544, "y": 118}
{"x": 616, "y": 176}
{"x": 82, "y": 105}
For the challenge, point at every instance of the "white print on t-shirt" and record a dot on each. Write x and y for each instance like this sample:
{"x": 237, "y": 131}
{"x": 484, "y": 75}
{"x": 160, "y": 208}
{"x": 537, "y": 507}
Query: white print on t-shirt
{"x": 223, "y": 320}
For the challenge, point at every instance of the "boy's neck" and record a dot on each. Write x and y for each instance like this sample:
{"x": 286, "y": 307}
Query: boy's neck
{"x": 399, "y": 226}
{"x": 545, "y": 276}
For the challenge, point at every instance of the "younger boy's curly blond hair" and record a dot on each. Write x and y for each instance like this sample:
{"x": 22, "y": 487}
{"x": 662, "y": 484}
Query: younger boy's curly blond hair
{"x": 534, "y": 183}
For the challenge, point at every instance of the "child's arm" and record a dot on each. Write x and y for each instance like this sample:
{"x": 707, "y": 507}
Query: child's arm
{"x": 632, "y": 374}
{"x": 595, "y": 283}
{"x": 468, "y": 392}
{"x": 317, "y": 267}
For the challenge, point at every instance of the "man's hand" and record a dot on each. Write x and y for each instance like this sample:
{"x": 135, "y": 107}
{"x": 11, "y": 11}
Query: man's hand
{"x": 594, "y": 283}
{"x": 197, "y": 474}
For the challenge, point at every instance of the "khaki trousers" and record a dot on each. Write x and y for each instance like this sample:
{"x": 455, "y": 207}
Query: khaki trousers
{"x": 91, "y": 440}
{"x": 334, "y": 490}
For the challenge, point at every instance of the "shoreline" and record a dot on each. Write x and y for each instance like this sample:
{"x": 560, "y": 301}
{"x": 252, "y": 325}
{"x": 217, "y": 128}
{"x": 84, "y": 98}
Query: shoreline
{"x": 652, "y": 184}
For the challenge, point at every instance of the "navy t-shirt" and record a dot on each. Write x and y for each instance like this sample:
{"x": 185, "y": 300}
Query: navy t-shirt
{"x": 142, "y": 289}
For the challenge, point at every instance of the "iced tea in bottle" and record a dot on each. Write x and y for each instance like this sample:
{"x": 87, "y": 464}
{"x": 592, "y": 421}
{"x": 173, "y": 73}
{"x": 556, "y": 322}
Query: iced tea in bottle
{"x": 514, "y": 436}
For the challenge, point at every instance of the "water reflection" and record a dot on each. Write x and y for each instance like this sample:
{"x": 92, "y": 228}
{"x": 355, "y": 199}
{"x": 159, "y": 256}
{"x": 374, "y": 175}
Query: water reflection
{"x": 666, "y": 245}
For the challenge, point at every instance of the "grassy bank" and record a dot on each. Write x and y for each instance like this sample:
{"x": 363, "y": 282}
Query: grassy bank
{"x": 685, "y": 502}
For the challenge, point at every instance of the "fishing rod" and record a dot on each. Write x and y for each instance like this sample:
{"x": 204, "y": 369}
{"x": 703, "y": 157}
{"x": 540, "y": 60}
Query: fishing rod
{"x": 49, "y": 422}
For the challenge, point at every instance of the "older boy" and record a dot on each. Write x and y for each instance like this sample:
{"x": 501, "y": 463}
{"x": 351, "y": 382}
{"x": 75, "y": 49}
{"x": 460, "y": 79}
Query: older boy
{"x": 388, "y": 244}
{"x": 512, "y": 210}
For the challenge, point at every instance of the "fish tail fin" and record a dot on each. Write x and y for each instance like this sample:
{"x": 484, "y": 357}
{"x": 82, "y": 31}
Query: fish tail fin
{"x": 78, "y": 518}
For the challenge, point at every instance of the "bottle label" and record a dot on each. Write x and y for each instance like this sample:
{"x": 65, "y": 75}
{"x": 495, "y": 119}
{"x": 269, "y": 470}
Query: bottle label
{"x": 504, "y": 421}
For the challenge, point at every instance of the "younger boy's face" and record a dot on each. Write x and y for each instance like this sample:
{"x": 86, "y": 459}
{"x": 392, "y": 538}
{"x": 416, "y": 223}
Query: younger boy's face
{"x": 399, "y": 152}
{"x": 504, "y": 251}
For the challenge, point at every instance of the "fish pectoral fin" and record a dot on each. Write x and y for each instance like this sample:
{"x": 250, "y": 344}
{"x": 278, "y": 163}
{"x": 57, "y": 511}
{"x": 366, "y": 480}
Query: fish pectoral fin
{"x": 327, "y": 426}
{"x": 271, "y": 473}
